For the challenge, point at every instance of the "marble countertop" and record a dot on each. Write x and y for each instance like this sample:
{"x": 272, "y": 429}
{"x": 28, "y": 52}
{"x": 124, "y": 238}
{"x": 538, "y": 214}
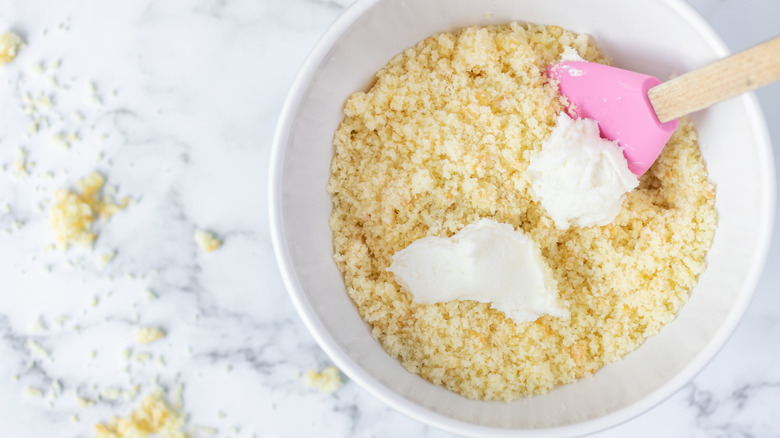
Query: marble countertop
{"x": 175, "y": 103}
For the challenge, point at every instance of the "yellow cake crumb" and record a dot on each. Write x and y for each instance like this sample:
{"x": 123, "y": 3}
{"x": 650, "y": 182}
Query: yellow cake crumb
{"x": 207, "y": 241}
{"x": 443, "y": 138}
{"x": 153, "y": 416}
{"x": 145, "y": 335}
{"x": 21, "y": 166}
{"x": 32, "y": 392}
{"x": 37, "y": 349}
{"x": 73, "y": 214}
{"x": 142, "y": 357}
{"x": 329, "y": 380}
{"x": 71, "y": 220}
{"x": 133, "y": 391}
{"x": 38, "y": 325}
{"x": 83, "y": 402}
{"x": 10, "y": 44}
{"x": 111, "y": 393}
{"x": 104, "y": 259}
{"x": 176, "y": 397}
{"x": 148, "y": 295}
{"x": 206, "y": 430}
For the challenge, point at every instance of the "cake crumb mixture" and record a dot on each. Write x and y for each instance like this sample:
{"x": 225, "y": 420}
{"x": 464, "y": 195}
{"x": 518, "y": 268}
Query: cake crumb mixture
{"x": 442, "y": 139}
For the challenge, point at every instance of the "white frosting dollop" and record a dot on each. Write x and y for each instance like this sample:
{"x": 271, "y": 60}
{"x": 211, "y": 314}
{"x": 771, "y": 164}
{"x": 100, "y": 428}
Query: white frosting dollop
{"x": 486, "y": 261}
{"x": 570, "y": 54}
{"x": 578, "y": 177}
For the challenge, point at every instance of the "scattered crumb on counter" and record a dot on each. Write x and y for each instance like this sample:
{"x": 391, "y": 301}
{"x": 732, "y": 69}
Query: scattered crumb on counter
{"x": 111, "y": 393}
{"x": 176, "y": 399}
{"x": 21, "y": 165}
{"x": 10, "y": 44}
{"x": 37, "y": 68}
{"x": 81, "y": 401}
{"x": 130, "y": 394}
{"x": 148, "y": 295}
{"x": 329, "y": 380}
{"x": 142, "y": 357}
{"x": 61, "y": 139}
{"x": 71, "y": 220}
{"x": 33, "y": 128}
{"x": 61, "y": 320}
{"x": 92, "y": 94}
{"x": 44, "y": 102}
{"x": 153, "y": 416}
{"x": 204, "y": 430}
{"x": 55, "y": 390}
{"x": 37, "y": 349}
{"x": 72, "y": 215}
{"x": 31, "y": 391}
{"x": 145, "y": 335}
{"x": 103, "y": 260}
{"x": 104, "y": 206}
{"x": 206, "y": 241}
{"x": 38, "y": 325}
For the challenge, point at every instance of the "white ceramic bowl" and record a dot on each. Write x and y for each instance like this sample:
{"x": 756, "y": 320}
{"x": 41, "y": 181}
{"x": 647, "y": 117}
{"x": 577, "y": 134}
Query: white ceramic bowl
{"x": 658, "y": 37}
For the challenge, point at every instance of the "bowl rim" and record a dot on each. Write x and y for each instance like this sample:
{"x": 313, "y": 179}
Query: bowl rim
{"x": 295, "y": 96}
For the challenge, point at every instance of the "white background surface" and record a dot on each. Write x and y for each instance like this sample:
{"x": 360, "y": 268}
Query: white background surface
{"x": 198, "y": 86}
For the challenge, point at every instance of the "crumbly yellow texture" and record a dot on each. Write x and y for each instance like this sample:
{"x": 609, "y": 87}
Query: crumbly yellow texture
{"x": 442, "y": 139}
{"x": 145, "y": 335}
{"x": 31, "y": 391}
{"x": 103, "y": 260}
{"x": 72, "y": 214}
{"x": 329, "y": 380}
{"x": 206, "y": 241}
{"x": 153, "y": 416}
{"x": 10, "y": 44}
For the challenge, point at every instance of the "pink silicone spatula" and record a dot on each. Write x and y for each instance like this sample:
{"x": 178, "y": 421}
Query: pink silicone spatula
{"x": 640, "y": 112}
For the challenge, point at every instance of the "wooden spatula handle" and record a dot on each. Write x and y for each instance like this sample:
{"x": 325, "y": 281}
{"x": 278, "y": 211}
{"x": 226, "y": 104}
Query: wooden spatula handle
{"x": 718, "y": 81}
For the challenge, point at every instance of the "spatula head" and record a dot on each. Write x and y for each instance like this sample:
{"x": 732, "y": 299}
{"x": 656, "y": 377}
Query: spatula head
{"x": 617, "y": 100}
